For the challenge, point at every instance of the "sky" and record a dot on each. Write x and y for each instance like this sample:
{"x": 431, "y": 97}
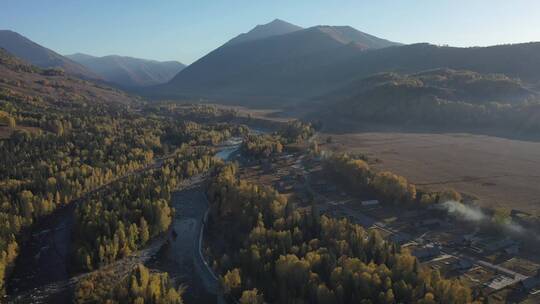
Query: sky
{"x": 187, "y": 30}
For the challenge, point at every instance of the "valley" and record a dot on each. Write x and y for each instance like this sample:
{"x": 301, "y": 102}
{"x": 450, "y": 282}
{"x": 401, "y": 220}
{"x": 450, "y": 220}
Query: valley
{"x": 287, "y": 164}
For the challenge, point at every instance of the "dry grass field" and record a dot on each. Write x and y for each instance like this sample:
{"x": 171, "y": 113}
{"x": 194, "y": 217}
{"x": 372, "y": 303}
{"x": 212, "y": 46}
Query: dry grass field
{"x": 499, "y": 172}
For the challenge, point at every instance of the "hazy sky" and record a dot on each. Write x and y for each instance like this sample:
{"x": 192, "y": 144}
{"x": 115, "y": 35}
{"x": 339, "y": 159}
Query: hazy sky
{"x": 186, "y": 30}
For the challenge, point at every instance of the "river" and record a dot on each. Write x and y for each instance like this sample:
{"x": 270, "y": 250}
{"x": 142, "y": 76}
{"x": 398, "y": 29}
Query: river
{"x": 228, "y": 148}
{"x": 41, "y": 273}
{"x": 180, "y": 256}
{"x": 43, "y": 261}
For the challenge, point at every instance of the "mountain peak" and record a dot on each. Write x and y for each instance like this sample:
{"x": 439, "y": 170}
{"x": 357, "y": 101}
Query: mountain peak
{"x": 279, "y": 21}
{"x": 349, "y": 35}
{"x": 273, "y": 28}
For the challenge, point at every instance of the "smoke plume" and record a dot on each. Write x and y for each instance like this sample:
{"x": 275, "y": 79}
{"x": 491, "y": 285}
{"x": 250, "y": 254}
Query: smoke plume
{"x": 475, "y": 214}
{"x": 472, "y": 214}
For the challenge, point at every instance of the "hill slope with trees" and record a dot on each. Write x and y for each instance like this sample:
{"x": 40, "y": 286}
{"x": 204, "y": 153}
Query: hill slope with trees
{"x": 67, "y": 141}
{"x": 436, "y": 98}
{"x": 18, "y": 78}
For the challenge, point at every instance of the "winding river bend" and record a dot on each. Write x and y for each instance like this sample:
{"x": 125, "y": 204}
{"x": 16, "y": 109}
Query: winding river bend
{"x": 181, "y": 256}
{"x": 42, "y": 273}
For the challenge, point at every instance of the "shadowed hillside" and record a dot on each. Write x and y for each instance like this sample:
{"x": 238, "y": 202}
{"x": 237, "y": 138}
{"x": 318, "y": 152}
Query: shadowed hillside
{"x": 129, "y": 72}
{"x": 274, "y": 28}
{"x": 40, "y": 56}
{"x": 271, "y": 68}
{"x": 436, "y": 98}
{"x": 455, "y": 85}
{"x": 285, "y": 69}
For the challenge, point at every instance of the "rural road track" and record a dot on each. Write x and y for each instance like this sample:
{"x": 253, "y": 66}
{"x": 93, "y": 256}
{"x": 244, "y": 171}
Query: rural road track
{"x": 120, "y": 269}
{"x": 55, "y": 292}
{"x": 43, "y": 275}
{"x": 368, "y": 222}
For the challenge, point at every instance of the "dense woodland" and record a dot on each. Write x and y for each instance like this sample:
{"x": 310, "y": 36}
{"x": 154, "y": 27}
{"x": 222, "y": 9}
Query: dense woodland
{"x": 200, "y": 113}
{"x": 290, "y": 255}
{"x": 63, "y": 143}
{"x": 139, "y": 287}
{"x": 261, "y": 146}
{"x": 269, "y": 145}
{"x": 58, "y": 149}
{"x": 296, "y": 131}
{"x": 439, "y": 98}
{"x": 64, "y": 156}
{"x": 133, "y": 210}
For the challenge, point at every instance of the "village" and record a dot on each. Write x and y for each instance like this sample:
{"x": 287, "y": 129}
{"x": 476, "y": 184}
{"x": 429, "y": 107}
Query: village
{"x": 498, "y": 267}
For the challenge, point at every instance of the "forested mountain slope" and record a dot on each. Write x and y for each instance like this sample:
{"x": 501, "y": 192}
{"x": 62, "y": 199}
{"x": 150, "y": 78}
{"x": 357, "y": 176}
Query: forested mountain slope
{"x": 435, "y": 98}
{"x": 96, "y": 156}
{"x": 21, "y": 79}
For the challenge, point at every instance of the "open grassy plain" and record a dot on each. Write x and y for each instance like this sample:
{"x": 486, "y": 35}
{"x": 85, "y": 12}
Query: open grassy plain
{"x": 499, "y": 172}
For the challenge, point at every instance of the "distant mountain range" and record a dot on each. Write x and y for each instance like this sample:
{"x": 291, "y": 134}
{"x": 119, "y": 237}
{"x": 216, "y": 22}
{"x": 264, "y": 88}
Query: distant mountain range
{"x": 129, "y": 72}
{"x": 40, "y": 56}
{"x": 125, "y": 72}
{"x": 270, "y": 63}
{"x": 283, "y": 65}
{"x": 279, "y": 64}
{"x": 20, "y": 80}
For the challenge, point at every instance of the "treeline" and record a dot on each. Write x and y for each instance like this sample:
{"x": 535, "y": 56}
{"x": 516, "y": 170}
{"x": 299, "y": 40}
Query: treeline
{"x": 261, "y": 146}
{"x": 388, "y": 187}
{"x": 71, "y": 155}
{"x": 190, "y": 132}
{"x": 200, "y": 113}
{"x": 266, "y": 145}
{"x": 296, "y": 131}
{"x": 286, "y": 255}
{"x": 440, "y": 98}
{"x": 60, "y": 151}
{"x": 133, "y": 210}
{"x": 356, "y": 174}
{"x": 139, "y": 287}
